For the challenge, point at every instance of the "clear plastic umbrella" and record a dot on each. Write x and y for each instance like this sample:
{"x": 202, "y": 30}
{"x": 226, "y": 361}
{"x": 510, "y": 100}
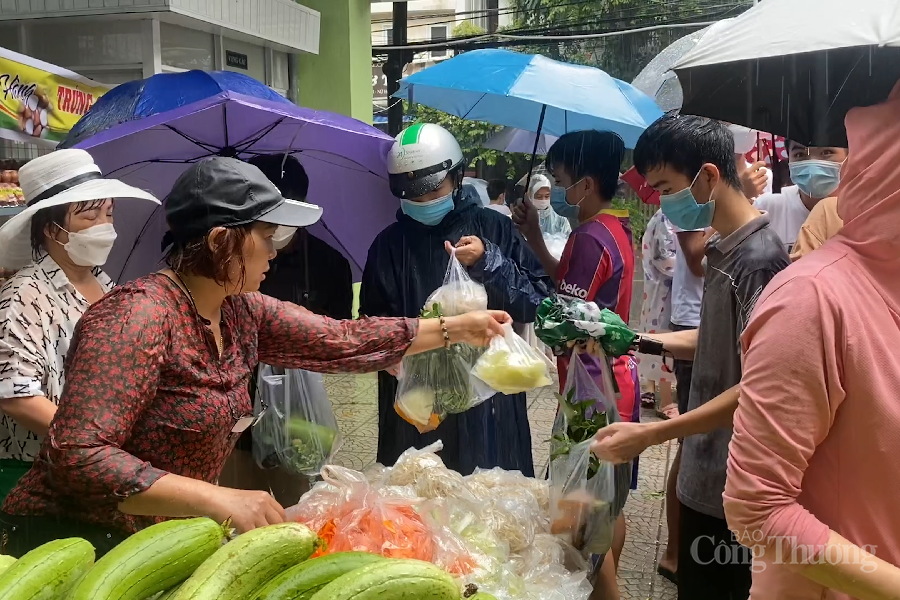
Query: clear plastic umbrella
{"x": 657, "y": 79}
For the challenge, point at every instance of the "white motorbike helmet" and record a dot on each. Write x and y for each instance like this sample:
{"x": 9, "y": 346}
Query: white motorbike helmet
{"x": 421, "y": 158}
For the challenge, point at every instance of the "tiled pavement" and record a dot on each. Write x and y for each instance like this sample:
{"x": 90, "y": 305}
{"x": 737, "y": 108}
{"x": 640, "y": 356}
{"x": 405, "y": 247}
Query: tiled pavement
{"x": 354, "y": 400}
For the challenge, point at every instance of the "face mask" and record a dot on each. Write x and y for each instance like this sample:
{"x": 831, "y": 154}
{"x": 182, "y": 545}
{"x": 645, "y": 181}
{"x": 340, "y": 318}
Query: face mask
{"x": 816, "y": 178}
{"x": 563, "y": 208}
{"x": 428, "y": 213}
{"x": 543, "y": 204}
{"x": 682, "y": 210}
{"x": 91, "y": 247}
{"x": 283, "y": 236}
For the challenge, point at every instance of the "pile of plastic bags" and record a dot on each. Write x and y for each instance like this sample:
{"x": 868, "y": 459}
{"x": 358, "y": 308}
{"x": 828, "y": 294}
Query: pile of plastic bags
{"x": 452, "y": 380}
{"x": 490, "y": 529}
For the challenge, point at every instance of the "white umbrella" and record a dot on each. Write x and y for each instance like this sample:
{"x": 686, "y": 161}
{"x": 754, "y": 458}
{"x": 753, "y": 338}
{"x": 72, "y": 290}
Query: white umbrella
{"x": 511, "y": 139}
{"x": 795, "y": 67}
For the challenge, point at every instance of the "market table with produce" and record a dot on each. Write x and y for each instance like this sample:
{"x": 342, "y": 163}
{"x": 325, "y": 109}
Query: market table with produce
{"x": 414, "y": 530}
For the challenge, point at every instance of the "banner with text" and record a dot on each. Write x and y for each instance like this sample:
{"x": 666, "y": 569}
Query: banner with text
{"x": 40, "y": 102}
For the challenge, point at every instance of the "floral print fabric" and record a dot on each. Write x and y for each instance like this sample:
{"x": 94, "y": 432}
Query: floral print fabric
{"x": 658, "y": 249}
{"x": 147, "y": 395}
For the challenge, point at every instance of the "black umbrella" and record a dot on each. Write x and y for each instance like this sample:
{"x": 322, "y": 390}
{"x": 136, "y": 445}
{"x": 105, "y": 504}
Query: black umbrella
{"x": 795, "y": 68}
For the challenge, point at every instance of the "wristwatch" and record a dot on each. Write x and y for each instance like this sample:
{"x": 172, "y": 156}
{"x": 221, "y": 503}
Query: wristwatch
{"x": 651, "y": 347}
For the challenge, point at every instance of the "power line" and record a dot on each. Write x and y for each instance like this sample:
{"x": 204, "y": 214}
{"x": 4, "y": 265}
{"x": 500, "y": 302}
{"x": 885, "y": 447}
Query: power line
{"x": 544, "y": 34}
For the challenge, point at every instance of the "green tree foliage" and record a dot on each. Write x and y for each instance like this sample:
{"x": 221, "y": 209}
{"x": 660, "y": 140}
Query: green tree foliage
{"x": 621, "y": 56}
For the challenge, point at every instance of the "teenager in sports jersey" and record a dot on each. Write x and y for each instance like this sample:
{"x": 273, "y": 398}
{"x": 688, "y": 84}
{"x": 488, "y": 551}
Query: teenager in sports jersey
{"x": 597, "y": 264}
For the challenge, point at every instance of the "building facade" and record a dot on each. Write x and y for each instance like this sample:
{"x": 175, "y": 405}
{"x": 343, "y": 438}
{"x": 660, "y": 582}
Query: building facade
{"x": 113, "y": 41}
{"x": 428, "y": 21}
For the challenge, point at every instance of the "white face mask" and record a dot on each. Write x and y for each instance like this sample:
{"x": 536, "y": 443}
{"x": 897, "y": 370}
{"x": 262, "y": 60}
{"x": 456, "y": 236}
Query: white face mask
{"x": 91, "y": 247}
{"x": 542, "y": 204}
{"x": 283, "y": 236}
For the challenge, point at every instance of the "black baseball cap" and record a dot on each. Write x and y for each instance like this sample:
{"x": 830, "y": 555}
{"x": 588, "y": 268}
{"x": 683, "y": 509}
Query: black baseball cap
{"x": 227, "y": 192}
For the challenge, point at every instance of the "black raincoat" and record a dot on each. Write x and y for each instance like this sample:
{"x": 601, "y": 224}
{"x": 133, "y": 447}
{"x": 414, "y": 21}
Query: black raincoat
{"x": 406, "y": 264}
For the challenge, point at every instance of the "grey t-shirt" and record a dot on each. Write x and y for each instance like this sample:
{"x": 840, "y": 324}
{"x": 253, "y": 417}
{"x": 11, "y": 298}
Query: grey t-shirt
{"x": 738, "y": 269}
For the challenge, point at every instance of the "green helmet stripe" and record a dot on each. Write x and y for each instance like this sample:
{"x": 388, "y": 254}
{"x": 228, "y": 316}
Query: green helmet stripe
{"x": 411, "y": 134}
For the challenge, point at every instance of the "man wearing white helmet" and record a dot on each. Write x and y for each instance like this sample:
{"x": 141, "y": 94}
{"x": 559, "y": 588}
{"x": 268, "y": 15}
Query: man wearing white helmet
{"x": 407, "y": 262}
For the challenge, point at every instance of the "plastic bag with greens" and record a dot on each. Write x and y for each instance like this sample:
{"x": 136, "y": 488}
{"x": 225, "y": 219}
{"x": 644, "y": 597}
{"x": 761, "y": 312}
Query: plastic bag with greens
{"x": 436, "y": 383}
{"x": 586, "y": 495}
{"x": 459, "y": 294}
{"x": 298, "y": 430}
{"x": 511, "y": 366}
{"x": 561, "y": 319}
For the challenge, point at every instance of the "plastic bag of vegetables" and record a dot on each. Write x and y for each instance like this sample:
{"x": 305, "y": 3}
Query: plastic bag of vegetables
{"x": 582, "y": 493}
{"x": 436, "y": 383}
{"x": 586, "y": 495}
{"x": 459, "y": 294}
{"x": 511, "y": 366}
{"x": 298, "y": 430}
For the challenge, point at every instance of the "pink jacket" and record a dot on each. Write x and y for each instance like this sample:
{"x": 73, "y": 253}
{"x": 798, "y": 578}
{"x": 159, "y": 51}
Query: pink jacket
{"x": 816, "y": 443}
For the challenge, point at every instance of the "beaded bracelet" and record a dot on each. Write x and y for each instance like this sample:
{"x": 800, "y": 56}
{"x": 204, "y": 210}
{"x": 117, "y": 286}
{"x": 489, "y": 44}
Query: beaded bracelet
{"x": 446, "y": 333}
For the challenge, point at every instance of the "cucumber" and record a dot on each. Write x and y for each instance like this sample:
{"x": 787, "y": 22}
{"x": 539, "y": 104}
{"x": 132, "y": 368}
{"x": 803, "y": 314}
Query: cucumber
{"x": 302, "y": 581}
{"x": 167, "y": 595}
{"x": 48, "y": 572}
{"x": 6, "y": 562}
{"x": 244, "y": 565}
{"x": 152, "y": 560}
{"x": 404, "y": 579}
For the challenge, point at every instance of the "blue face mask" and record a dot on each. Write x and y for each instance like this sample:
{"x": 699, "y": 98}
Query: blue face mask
{"x": 682, "y": 210}
{"x": 816, "y": 178}
{"x": 428, "y": 213}
{"x": 561, "y": 207}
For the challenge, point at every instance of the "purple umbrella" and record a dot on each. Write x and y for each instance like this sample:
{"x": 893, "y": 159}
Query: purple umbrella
{"x": 343, "y": 157}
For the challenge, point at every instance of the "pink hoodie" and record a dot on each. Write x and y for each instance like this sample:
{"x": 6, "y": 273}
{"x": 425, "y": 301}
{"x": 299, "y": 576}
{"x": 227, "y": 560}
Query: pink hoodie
{"x": 816, "y": 443}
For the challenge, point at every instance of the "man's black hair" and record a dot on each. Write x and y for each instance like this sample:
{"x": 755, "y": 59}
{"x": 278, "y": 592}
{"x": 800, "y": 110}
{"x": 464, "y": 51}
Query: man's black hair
{"x": 685, "y": 143}
{"x": 496, "y": 187}
{"x": 594, "y": 154}
{"x": 289, "y": 176}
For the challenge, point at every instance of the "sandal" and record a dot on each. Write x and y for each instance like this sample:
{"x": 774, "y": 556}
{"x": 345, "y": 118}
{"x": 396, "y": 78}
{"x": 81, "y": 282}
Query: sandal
{"x": 648, "y": 400}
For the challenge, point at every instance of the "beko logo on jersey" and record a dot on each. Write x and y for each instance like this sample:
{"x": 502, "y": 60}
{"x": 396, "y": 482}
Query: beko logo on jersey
{"x": 573, "y": 290}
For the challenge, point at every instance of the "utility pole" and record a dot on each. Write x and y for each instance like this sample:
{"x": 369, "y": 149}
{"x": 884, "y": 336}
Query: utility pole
{"x": 393, "y": 68}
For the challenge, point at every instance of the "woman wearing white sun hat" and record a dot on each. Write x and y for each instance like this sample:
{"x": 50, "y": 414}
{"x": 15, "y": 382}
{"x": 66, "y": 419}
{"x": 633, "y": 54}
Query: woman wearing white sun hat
{"x": 57, "y": 244}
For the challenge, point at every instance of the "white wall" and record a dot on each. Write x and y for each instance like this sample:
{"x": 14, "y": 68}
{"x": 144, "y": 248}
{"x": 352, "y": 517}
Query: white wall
{"x": 256, "y": 58}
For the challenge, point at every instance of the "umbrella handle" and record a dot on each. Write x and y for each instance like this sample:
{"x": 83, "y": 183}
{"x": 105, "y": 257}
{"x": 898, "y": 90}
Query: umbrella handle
{"x": 537, "y": 140}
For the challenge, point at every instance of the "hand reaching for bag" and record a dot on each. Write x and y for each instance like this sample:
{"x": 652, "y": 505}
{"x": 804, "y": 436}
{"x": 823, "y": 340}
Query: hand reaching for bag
{"x": 621, "y": 442}
{"x": 469, "y": 249}
{"x": 477, "y": 328}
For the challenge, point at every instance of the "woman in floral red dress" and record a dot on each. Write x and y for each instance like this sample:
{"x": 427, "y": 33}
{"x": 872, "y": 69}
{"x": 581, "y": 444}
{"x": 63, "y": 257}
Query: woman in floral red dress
{"x": 156, "y": 393}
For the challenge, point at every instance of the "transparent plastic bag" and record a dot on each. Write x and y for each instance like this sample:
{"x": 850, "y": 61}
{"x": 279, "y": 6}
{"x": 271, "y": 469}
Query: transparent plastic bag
{"x": 586, "y": 495}
{"x": 511, "y": 366}
{"x": 556, "y": 243}
{"x": 298, "y": 431}
{"x": 582, "y": 495}
{"x": 436, "y": 383}
{"x": 459, "y": 294}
